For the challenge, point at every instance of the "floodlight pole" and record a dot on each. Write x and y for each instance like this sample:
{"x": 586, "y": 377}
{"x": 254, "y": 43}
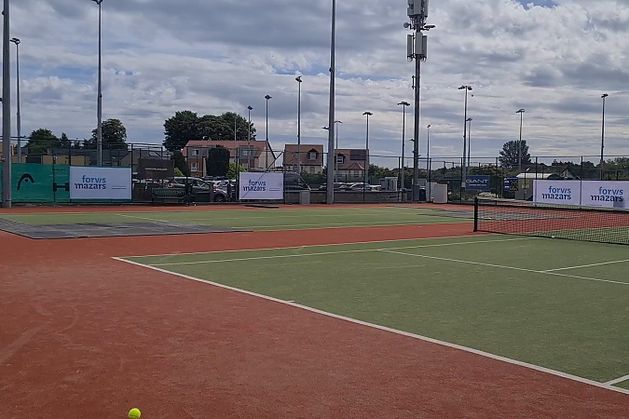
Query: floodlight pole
{"x": 469, "y": 143}
{"x": 6, "y": 110}
{"x": 331, "y": 116}
{"x": 299, "y": 81}
{"x": 99, "y": 104}
{"x": 366, "y": 168}
{"x": 266, "y": 162}
{"x": 17, "y": 42}
{"x": 336, "y": 147}
{"x": 428, "y": 165}
{"x": 604, "y": 96}
{"x": 403, "y": 104}
{"x": 249, "y": 108}
{"x": 417, "y": 12}
{"x": 467, "y": 89}
{"x": 521, "y": 112}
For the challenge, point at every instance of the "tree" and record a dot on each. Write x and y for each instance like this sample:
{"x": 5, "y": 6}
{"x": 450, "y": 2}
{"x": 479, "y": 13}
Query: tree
{"x": 185, "y": 126}
{"x": 114, "y": 136}
{"x": 64, "y": 141}
{"x": 218, "y": 161}
{"x": 41, "y": 140}
{"x": 181, "y": 128}
{"x": 509, "y": 154}
{"x": 180, "y": 163}
{"x": 235, "y": 170}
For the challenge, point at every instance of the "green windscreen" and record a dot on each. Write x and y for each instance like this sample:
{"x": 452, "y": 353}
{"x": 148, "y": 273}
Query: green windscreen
{"x": 39, "y": 183}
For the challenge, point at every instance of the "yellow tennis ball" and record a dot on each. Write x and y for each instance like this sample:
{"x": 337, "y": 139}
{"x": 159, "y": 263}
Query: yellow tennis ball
{"x": 135, "y": 413}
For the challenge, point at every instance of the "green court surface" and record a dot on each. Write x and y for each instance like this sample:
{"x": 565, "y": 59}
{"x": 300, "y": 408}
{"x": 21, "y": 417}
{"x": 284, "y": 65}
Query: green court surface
{"x": 558, "y": 304}
{"x": 259, "y": 218}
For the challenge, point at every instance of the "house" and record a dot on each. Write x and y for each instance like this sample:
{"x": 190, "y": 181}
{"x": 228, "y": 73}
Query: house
{"x": 252, "y": 155}
{"x": 351, "y": 164}
{"x": 309, "y": 156}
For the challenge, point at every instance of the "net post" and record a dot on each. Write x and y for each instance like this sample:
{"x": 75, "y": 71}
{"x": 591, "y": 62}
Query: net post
{"x": 476, "y": 215}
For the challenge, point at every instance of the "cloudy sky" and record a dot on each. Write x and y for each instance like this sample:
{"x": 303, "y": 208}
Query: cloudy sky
{"x": 553, "y": 57}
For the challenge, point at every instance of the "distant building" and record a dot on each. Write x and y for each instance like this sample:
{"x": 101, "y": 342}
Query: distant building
{"x": 351, "y": 164}
{"x": 310, "y": 156}
{"x": 252, "y": 155}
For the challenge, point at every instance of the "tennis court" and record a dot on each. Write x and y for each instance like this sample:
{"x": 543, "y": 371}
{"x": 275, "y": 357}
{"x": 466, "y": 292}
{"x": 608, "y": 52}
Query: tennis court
{"x": 555, "y": 304}
{"x": 156, "y": 221}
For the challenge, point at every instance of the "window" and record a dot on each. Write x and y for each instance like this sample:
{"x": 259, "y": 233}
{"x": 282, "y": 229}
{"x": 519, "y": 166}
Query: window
{"x": 312, "y": 155}
{"x": 340, "y": 159}
{"x": 195, "y": 152}
{"x": 194, "y": 166}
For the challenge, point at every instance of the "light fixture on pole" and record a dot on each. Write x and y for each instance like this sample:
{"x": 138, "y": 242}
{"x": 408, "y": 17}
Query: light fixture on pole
{"x": 366, "y": 167}
{"x": 331, "y": 115}
{"x": 521, "y": 112}
{"x": 467, "y": 89}
{"x": 416, "y": 49}
{"x": 469, "y": 143}
{"x": 403, "y": 104}
{"x": 604, "y": 97}
{"x": 299, "y": 81}
{"x": 99, "y": 105}
{"x": 6, "y": 110}
{"x": 17, "y": 42}
{"x": 249, "y": 108}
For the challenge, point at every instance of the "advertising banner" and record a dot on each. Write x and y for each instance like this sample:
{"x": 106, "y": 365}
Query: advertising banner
{"x": 557, "y": 192}
{"x": 261, "y": 186}
{"x": 479, "y": 183}
{"x": 100, "y": 183}
{"x": 605, "y": 194}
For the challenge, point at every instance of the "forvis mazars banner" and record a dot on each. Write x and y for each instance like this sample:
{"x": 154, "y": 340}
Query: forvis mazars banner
{"x": 598, "y": 194}
{"x": 100, "y": 183}
{"x": 261, "y": 186}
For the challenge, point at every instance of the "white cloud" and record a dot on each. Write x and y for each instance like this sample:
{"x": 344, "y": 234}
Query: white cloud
{"x": 214, "y": 56}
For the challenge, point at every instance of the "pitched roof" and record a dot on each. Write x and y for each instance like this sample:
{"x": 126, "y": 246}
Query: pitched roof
{"x": 290, "y": 154}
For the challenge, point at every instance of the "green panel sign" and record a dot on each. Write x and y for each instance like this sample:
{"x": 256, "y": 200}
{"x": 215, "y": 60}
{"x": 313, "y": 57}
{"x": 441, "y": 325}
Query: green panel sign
{"x": 38, "y": 183}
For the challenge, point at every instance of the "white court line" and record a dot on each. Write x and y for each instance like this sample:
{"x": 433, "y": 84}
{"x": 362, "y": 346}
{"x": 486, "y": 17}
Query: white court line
{"x": 390, "y": 330}
{"x": 143, "y": 218}
{"x": 513, "y": 268}
{"x": 613, "y": 262}
{"x": 328, "y": 245}
{"x": 618, "y": 380}
{"x": 337, "y": 252}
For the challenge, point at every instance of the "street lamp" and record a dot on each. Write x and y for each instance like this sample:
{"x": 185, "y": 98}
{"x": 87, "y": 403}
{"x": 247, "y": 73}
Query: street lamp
{"x": 17, "y": 42}
{"x": 249, "y": 108}
{"x": 336, "y": 147}
{"x": 467, "y": 89}
{"x": 469, "y": 142}
{"x": 604, "y": 97}
{"x": 403, "y": 104}
{"x": 521, "y": 112}
{"x": 366, "y": 168}
{"x": 299, "y": 81}
{"x": 99, "y": 111}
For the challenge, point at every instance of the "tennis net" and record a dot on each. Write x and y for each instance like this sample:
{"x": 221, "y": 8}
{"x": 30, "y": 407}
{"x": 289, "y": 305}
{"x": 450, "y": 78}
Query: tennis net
{"x": 572, "y": 223}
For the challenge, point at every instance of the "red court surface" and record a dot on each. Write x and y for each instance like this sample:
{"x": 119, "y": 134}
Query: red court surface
{"x": 84, "y": 335}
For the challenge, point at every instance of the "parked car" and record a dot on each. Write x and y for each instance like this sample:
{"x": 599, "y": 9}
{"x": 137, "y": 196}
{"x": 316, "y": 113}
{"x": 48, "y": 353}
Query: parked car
{"x": 202, "y": 191}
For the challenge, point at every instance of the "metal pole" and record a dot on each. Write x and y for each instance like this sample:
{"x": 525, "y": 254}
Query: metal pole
{"x": 463, "y": 168}
{"x": 249, "y": 108}
{"x": 331, "y": 116}
{"x": 418, "y": 62}
{"x": 603, "y": 136}
{"x": 16, "y": 41}
{"x": 469, "y": 142}
{"x": 336, "y": 147}
{"x": 6, "y": 110}
{"x": 520, "y": 143}
{"x": 403, "y": 145}
{"x": 235, "y": 117}
{"x": 266, "y": 164}
{"x": 99, "y": 133}
{"x": 299, "y": 81}
{"x": 428, "y": 165}
{"x": 366, "y": 168}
